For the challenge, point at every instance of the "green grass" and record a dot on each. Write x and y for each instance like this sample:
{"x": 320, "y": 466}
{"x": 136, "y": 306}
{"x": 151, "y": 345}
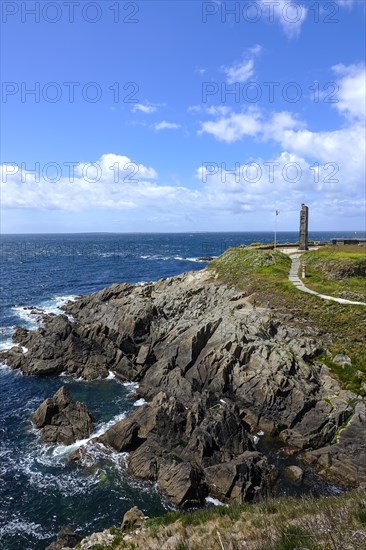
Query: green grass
{"x": 252, "y": 270}
{"x": 282, "y": 524}
{"x": 338, "y": 271}
{"x": 263, "y": 274}
{"x": 201, "y": 516}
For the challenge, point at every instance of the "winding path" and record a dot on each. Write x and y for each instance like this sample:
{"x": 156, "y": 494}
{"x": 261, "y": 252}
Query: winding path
{"x": 295, "y": 279}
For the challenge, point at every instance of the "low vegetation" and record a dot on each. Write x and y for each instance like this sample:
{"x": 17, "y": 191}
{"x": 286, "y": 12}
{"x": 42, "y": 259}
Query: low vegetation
{"x": 338, "y": 270}
{"x": 263, "y": 275}
{"x": 332, "y": 523}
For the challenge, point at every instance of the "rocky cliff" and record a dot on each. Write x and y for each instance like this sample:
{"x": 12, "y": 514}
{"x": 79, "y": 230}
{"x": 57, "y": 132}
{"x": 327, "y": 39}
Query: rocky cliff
{"x": 214, "y": 373}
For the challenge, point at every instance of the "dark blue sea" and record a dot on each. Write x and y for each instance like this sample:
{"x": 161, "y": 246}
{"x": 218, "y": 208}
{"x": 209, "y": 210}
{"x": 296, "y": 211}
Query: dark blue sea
{"x": 39, "y": 491}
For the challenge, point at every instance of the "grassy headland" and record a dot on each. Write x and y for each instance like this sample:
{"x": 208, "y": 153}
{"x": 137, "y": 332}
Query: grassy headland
{"x": 284, "y": 524}
{"x": 338, "y": 270}
{"x": 264, "y": 274}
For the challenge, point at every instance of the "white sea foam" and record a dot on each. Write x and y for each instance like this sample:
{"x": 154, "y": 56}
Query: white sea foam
{"x": 215, "y": 501}
{"x": 54, "y": 304}
{"x": 30, "y": 317}
{"x": 18, "y": 525}
{"x": 139, "y": 402}
{"x": 7, "y": 344}
{"x": 132, "y": 386}
{"x": 182, "y": 259}
{"x": 111, "y": 376}
{"x": 64, "y": 450}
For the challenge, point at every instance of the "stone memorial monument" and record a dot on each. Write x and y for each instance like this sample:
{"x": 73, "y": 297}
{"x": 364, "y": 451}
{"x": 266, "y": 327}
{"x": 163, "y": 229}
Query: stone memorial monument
{"x": 304, "y": 219}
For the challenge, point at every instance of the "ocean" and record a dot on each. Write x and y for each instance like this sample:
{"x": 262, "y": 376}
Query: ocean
{"x": 39, "y": 490}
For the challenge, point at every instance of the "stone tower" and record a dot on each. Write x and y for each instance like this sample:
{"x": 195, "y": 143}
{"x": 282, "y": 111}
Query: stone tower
{"x": 304, "y": 219}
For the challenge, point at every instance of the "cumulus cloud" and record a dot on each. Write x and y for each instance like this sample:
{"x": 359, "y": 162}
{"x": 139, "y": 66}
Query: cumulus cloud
{"x": 116, "y": 183}
{"x": 319, "y": 167}
{"x": 145, "y": 108}
{"x": 111, "y": 182}
{"x": 164, "y": 125}
{"x": 332, "y": 162}
{"x": 233, "y": 127}
{"x": 290, "y": 15}
{"x": 352, "y": 90}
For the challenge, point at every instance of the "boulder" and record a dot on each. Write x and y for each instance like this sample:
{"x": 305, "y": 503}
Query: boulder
{"x": 249, "y": 477}
{"x": 182, "y": 483}
{"x": 123, "y": 436}
{"x": 344, "y": 461}
{"x": 294, "y": 474}
{"x": 62, "y": 420}
{"x": 133, "y": 519}
{"x": 342, "y": 359}
{"x": 67, "y": 538}
{"x": 143, "y": 463}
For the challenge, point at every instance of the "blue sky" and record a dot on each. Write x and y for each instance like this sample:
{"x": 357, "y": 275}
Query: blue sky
{"x": 179, "y": 116}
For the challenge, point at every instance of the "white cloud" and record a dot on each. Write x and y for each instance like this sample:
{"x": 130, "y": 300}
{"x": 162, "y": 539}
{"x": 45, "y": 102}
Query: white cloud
{"x": 256, "y": 49}
{"x": 252, "y": 187}
{"x": 112, "y": 182}
{"x": 343, "y": 151}
{"x": 218, "y": 110}
{"x": 214, "y": 110}
{"x": 144, "y": 108}
{"x": 195, "y": 109}
{"x": 243, "y": 70}
{"x": 164, "y": 125}
{"x": 352, "y": 90}
{"x": 239, "y": 72}
{"x": 290, "y": 15}
{"x": 233, "y": 127}
{"x": 331, "y": 165}
{"x": 333, "y": 162}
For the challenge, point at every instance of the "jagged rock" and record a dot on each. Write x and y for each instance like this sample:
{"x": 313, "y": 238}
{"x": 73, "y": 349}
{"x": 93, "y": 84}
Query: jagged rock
{"x": 342, "y": 359}
{"x": 123, "y": 436}
{"x": 104, "y": 539}
{"x": 344, "y": 462}
{"x": 143, "y": 463}
{"x": 294, "y": 473}
{"x": 183, "y": 483}
{"x": 248, "y": 477}
{"x": 213, "y": 374}
{"x": 67, "y": 538}
{"x": 62, "y": 419}
{"x": 133, "y": 519}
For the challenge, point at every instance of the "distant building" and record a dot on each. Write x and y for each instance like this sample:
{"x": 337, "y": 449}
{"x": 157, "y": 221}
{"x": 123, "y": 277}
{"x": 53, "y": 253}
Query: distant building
{"x": 347, "y": 240}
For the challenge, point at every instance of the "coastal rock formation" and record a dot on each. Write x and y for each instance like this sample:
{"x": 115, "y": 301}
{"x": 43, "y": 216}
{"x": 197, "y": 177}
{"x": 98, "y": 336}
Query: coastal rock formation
{"x": 132, "y": 519}
{"x": 61, "y": 419}
{"x": 214, "y": 373}
{"x": 345, "y": 458}
{"x": 67, "y": 538}
{"x": 180, "y": 447}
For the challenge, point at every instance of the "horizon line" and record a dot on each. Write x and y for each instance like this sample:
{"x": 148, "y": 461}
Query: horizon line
{"x": 184, "y": 232}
